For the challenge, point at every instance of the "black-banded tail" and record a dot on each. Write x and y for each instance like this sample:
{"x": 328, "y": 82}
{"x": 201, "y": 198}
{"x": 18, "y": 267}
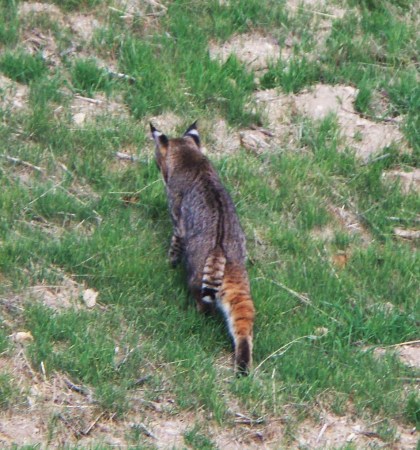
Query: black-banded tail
{"x": 213, "y": 273}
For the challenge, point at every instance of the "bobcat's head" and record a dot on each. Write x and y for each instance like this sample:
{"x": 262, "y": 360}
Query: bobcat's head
{"x": 169, "y": 151}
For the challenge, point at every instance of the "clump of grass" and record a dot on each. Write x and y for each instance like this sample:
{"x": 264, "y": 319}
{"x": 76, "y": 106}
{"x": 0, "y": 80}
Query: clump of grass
{"x": 22, "y": 66}
{"x": 9, "y": 22}
{"x": 196, "y": 439}
{"x": 4, "y": 341}
{"x": 88, "y": 78}
{"x": 412, "y": 409}
{"x": 291, "y": 75}
{"x": 8, "y": 391}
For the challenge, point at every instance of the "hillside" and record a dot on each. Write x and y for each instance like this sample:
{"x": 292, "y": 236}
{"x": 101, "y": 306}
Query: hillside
{"x": 310, "y": 111}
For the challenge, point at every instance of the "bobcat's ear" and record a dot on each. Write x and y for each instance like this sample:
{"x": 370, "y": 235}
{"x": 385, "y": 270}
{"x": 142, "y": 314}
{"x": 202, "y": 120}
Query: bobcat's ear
{"x": 193, "y": 133}
{"x": 160, "y": 139}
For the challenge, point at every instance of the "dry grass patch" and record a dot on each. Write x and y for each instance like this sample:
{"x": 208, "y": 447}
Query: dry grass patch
{"x": 86, "y": 109}
{"x": 13, "y": 95}
{"x": 365, "y": 136}
{"x": 334, "y": 431}
{"x": 27, "y": 9}
{"x": 409, "y": 181}
{"x": 255, "y": 50}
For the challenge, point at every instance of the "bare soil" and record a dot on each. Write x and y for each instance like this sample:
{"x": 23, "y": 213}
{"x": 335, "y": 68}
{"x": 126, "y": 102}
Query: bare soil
{"x": 13, "y": 95}
{"x": 255, "y": 50}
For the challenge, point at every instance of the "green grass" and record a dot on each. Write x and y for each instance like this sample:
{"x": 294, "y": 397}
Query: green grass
{"x": 105, "y": 224}
{"x": 87, "y": 77}
{"x": 22, "y": 66}
{"x": 195, "y": 439}
{"x": 9, "y": 23}
{"x": 8, "y": 392}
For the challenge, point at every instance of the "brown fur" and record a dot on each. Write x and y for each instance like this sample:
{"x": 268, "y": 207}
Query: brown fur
{"x": 208, "y": 235}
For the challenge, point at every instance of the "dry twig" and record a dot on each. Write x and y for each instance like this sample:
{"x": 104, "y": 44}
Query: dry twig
{"x": 142, "y": 428}
{"x": 23, "y": 163}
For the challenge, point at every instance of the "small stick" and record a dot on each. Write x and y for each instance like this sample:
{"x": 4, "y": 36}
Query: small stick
{"x": 368, "y": 117}
{"x": 43, "y": 195}
{"x": 303, "y": 298}
{"x": 401, "y": 344}
{"x": 142, "y": 427}
{"x": 23, "y": 163}
{"x": 124, "y": 156}
{"x": 90, "y": 427}
{"x": 120, "y": 11}
{"x": 44, "y": 374}
{"x": 324, "y": 427}
{"x": 142, "y": 380}
{"x": 379, "y": 158}
{"x": 369, "y": 434}
{"x": 76, "y": 388}
{"x": 282, "y": 349}
{"x": 242, "y": 419}
{"x": 262, "y": 130}
{"x": 121, "y": 76}
{"x": 317, "y": 12}
{"x": 89, "y": 100}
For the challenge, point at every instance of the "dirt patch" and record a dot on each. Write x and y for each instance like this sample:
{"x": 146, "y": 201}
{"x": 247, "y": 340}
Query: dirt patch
{"x": 320, "y": 16}
{"x": 143, "y": 16}
{"x": 53, "y": 12}
{"x": 64, "y": 293}
{"x": 317, "y": 7}
{"x": 335, "y": 431}
{"x": 409, "y": 353}
{"x": 13, "y": 96}
{"x": 223, "y": 140}
{"x": 37, "y": 41}
{"x": 58, "y": 297}
{"x": 47, "y": 409}
{"x": 350, "y": 222}
{"x": 255, "y": 50}
{"x": 83, "y": 25}
{"x": 85, "y": 109}
{"x": 167, "y": 122}
{"x": 278, "y": 110}
{"x": 409, "y": 181}
{"x": 54, "y": 411}
{"x": 365, "y": 136}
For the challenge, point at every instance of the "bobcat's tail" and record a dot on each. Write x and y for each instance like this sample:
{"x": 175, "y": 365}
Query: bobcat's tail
{"x": 236, "y": 303}
{"x": 213, "y": 273}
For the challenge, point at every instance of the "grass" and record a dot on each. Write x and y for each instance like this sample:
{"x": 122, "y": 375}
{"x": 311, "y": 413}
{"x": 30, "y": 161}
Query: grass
{"x": 9, "y": 23}
{"x": 105, "y": 225}
{"x": 22, "y": 66}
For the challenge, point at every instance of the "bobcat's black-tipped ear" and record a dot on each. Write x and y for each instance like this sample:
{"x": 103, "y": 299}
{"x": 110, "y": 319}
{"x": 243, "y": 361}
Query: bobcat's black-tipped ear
{"x": 193, "y": 133}
{"x": 160, "y": 138}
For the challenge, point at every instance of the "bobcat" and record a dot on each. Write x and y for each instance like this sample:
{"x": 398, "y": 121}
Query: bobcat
{"x": 207, "y": 233}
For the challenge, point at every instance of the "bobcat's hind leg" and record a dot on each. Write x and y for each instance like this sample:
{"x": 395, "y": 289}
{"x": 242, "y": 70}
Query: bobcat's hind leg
{"x": 176, "y": 250}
